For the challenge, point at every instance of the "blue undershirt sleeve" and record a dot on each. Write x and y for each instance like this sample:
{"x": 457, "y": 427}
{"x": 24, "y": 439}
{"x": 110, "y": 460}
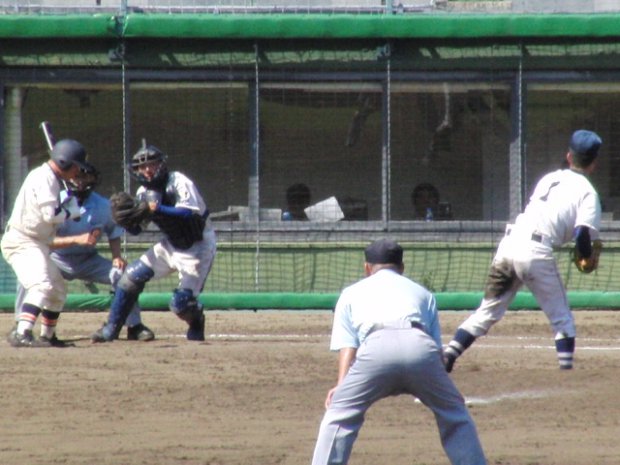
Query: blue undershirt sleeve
{"x": 582, "y": 241}
{"x": 178, "y": 212}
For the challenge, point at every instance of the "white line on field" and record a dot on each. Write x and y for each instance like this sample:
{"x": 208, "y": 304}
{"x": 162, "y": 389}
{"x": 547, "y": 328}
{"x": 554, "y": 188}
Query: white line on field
{"x": 545, "y": 347}
{"x": 502, "y": 397}
{"x": 486, "y": 342}
{"x": 505, "y": 396}
{"x": 491, "y": 344}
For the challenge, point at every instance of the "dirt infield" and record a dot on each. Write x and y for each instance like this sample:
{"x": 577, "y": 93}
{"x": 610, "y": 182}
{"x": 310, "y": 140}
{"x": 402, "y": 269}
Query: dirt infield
{"x": 252, "y": 394}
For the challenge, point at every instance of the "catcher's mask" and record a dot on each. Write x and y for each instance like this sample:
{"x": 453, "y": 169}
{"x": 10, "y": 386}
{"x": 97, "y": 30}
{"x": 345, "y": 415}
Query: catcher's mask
{"x": 85, "y": 182}
{"x": 148, "y": 154}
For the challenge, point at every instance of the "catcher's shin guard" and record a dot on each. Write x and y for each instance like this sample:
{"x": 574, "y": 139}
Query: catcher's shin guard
{"x": 565, "y": 348}
{"x": 121, "y": 306}
{"x": 128, "y": 290}
{"x": 130, "y": 285}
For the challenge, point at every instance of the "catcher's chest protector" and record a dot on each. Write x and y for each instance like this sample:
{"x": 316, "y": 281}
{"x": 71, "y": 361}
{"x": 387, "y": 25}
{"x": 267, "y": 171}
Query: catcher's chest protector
{"x": 181, "y": 232}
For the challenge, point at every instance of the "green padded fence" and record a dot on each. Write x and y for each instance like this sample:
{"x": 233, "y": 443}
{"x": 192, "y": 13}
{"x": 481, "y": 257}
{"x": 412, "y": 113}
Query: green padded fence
{"x": 287, "y": 26}
{"x": 295, "y": 301}
{"x": 311, "y": 276}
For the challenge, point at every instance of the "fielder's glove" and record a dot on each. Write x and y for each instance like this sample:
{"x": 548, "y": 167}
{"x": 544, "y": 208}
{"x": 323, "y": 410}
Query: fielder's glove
{"x": 128, "y": 212}
{"x": 588, "y": 265}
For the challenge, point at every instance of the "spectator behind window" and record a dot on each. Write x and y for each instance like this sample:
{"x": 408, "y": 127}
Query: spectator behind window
{"x": 298, "y": 198}
{"x": 425, "y": 201}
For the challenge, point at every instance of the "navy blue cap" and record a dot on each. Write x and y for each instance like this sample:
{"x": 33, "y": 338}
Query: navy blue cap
{"x": 585, "y": 143}
{"x": 384, "y": 251}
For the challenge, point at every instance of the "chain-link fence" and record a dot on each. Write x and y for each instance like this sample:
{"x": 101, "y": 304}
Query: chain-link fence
{"x": 214, "y": 6}
{"x": 301, "y": 6}
{"x": 362, "y": 123}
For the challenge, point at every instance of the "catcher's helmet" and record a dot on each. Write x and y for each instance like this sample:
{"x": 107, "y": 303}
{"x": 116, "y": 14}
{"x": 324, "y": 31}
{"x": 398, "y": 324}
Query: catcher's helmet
{"x": 148, "y": 154}
{"x": 68, "y": 152}
{"x": 86, "y": 181}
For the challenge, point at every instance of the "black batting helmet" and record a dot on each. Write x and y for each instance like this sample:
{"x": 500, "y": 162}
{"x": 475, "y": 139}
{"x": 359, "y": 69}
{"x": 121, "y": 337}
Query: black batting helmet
{"x": 68, "y": 152}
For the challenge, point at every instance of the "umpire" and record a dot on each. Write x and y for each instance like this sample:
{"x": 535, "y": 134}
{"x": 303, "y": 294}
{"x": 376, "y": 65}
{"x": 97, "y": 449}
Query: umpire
{"x": 387, "y": 332}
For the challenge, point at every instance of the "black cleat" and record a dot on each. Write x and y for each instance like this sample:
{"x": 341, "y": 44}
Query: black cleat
{"x": 101, "y": 335}
{"x": 55, "y": 342}
{"x": 196, "y": 330}
{"x": 140, "y": 332}
{"x": 26, "y": 340}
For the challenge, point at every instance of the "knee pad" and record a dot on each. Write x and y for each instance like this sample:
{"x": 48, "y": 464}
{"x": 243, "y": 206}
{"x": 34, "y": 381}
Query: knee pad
{"x": 135, "y": 277}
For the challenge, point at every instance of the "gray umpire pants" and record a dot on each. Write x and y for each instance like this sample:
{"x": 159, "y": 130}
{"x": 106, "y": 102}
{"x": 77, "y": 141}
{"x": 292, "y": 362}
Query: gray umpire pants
{"x": 392, "y": 362}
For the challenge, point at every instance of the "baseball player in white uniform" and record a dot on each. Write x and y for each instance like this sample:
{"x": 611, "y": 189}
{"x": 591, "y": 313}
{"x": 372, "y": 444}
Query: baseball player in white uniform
{"x": 564, "y": 207}
{"x": 188, "y": 246}
{"x": 77, "y": 261}
{"x": 43, "y": 202}
{"x": 387, "y": 332}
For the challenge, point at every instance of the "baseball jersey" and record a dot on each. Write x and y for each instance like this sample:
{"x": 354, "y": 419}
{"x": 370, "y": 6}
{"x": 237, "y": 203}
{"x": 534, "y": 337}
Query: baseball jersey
{"x": 185, "y": 192}
{"x": 562, "y": 200}
{"x": 35, "y": 209}
{"x": 380, "y": 299}
{"x": 97, "y": 215}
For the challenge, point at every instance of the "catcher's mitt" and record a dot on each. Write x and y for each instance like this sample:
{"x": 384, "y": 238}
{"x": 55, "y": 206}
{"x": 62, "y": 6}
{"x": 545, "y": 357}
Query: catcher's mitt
{"x": 588, "y": 265}
{"x": 128, "y": 212}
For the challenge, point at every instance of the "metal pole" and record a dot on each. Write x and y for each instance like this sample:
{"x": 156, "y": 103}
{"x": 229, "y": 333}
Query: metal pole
{"x": 517, "y": 145}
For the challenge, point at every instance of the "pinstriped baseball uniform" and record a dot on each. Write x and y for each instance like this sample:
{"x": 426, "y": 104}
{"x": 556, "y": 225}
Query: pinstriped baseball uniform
{"x": 561, "y": 201}
{"x": 563, "y": 207}
{"x": 25, "y": 245}
{"x": 192, "y": 265}
{"x": 84, "y": 262}
{"x": 393, "y": 324}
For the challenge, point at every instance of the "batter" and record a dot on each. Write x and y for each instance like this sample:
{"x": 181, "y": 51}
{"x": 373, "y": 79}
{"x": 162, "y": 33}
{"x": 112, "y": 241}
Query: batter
{"x": 42, "y": 204}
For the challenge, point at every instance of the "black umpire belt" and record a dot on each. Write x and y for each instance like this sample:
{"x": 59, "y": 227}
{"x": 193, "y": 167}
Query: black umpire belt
{"x": 397, "y": 325}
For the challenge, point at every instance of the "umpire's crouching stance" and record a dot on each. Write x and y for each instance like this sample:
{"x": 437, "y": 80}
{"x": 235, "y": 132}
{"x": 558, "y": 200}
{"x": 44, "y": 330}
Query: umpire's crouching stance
{"x": 387, "y": 330}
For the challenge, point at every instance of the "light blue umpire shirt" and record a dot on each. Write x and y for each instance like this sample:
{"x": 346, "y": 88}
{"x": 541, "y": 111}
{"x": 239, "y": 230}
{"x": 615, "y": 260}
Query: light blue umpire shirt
{"x": 364, "y": 307}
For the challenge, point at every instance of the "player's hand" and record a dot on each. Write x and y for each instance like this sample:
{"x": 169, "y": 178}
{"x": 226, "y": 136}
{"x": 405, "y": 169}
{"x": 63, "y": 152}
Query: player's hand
{"x": 119, "y": 262}
{"x": 87, "y": 238}
{"x": 330, "y": 394}
{"x": 95, "y": 235}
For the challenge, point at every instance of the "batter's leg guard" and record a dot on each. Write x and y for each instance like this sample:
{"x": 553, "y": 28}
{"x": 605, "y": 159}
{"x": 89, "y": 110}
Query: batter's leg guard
{"x": 126, "y": 295}
{"x": 565, "y": 348}
{"x": 187, "y": 308}
{"x": 461, "y": 341}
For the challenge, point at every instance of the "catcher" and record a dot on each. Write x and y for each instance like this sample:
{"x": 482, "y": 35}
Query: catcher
{"x": 564, "y": 207}
{"x": 171, "y": 201}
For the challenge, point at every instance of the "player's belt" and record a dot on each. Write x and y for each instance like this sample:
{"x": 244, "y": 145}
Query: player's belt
{"x": 416, "y": 325}
{"x": 537, "y": 237}
{"x": 541, "y": 239}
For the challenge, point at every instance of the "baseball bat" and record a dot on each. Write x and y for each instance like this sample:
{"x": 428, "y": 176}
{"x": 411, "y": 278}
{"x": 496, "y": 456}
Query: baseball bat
{"x": 46, "y": 127}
